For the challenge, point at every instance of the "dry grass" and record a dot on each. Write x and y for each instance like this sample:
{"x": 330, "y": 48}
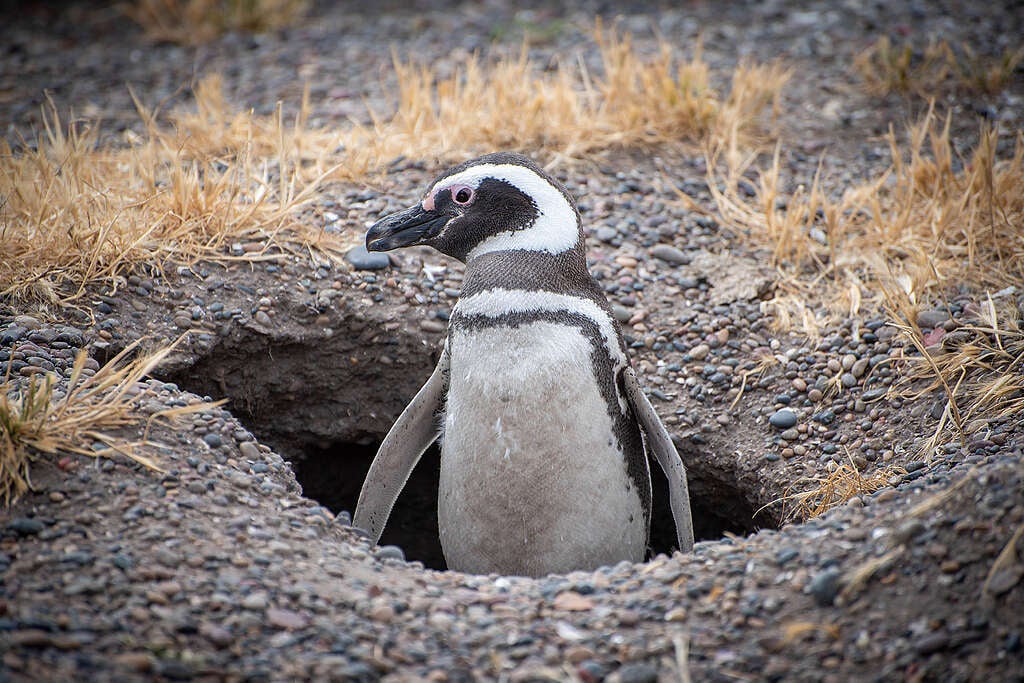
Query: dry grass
{"x": 192, "y": 22}
{"x": 570, "y": 112}
{"x": 932, "y": 220}
{"x": 41, "y": 416}
{"x": 935, "y": 68}
{"x": 76, "y": 212}
{"x": 830, "y": 491}
{"x": 978, "y": 367}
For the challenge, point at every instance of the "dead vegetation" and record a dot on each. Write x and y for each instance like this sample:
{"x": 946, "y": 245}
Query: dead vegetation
{"x": 77, "y": 213}
{"x": 88, "y": 414}
{"x": 821, "y": 494}
{"x": 571, "y": 112}
{"x": 192, "y": 22}
{"x": 978, "y": 367}
{"x": 886, "y": 67}
{"x": 200, "y": 181}
{"x": 932, "y": 220}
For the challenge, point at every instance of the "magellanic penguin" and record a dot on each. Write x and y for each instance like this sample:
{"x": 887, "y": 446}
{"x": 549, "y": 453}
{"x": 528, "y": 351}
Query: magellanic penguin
{"x": 543, "y": 425}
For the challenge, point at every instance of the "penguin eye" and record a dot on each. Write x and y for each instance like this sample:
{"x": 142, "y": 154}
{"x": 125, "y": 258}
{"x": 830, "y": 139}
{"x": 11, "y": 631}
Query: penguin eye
{"x": 462, "y": 194}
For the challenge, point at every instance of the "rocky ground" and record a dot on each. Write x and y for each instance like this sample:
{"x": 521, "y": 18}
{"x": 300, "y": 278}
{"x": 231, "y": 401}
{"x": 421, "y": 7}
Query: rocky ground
{"x": 219, "y": 567}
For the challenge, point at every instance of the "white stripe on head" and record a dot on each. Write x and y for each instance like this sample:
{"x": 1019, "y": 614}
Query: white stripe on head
{"x": 494, "y": 303}
{"x": 557, "y": 226}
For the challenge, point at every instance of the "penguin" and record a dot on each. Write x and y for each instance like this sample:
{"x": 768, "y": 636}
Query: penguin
{"x": 544, "y": 429}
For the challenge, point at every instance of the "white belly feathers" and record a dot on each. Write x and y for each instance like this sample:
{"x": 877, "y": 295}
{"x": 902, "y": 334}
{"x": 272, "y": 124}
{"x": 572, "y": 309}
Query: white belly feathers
{"x": 531, "y": 472}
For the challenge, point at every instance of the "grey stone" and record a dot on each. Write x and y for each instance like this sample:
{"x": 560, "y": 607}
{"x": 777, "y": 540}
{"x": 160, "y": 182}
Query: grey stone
{"x": 825, "y": 586}
{"x": 670, "y": 254}
{"x": 361, "y": 259}
{"x": 782, "y": 419}
{"x": 25, "y": 526}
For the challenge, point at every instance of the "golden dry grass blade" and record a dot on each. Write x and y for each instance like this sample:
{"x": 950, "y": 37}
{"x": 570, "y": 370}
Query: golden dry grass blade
{"x": 1011, "y": 555}
{"x": 78, "y": 213}
{"x": 857, "y": 578}
{"x": 979, "y": 367}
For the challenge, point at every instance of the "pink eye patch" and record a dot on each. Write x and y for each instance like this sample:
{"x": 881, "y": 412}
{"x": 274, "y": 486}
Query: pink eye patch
{"x": 461, "y": 194}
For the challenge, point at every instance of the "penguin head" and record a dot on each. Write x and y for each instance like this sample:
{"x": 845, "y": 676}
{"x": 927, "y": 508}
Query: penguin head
{"x": 497, "y": 202}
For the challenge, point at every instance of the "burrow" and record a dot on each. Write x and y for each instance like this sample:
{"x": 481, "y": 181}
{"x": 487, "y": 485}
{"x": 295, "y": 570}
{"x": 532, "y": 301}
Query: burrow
{"x": 324, "y": 401}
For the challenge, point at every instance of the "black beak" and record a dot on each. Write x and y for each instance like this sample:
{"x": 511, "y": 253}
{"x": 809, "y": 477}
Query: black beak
{"x": 404, "y": 229}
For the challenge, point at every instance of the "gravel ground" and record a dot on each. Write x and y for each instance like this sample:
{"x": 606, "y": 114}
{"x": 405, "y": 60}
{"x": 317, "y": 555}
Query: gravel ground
{"x": 219, "y": 569}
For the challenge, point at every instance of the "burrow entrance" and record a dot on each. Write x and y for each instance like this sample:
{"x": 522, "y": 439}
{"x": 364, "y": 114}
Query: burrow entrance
{"x": 324, "y": 405}
{"x": 333, "y": 476}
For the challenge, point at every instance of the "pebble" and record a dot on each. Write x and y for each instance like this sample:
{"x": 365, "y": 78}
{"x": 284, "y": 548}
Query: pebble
{"x": 699, "y": 352}
{"x": 932, "y": 318}
{"x": 389, "y": 552}
{"x": 638, "y": 673}
{"x": 361, "y": 259}
{"x": 286, "y": 619}
{"x": 1005, "y": 578}
{"x": 255, "y": 601}
{"x": 435, "y": 326}
{"x": 783, "y": 419}
{"x": 26, "y": 526}
{"x": 571, "y": 601}
{"x": 140, "y": 662}
{"x": 249, "y": 450}
{"x": 825, "y": 586}
{"x": 670, "y": 254}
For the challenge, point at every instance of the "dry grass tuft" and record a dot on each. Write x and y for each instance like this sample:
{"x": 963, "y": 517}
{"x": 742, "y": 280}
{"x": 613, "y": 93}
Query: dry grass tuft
{"x": 835, "y": 489}
{"x": 932, "y": 220}
{"x": 192, "y": 22}
{"x": 515, "y": 104}
{"x": 77, "y": 212}
{"x": 979, "y": 367}
{"x": 43, "y": 416}
{"x": 938, "y": 67}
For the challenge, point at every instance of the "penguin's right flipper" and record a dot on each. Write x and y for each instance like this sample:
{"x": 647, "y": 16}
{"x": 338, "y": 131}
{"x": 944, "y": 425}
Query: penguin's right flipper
{"x": 416, "y": 428}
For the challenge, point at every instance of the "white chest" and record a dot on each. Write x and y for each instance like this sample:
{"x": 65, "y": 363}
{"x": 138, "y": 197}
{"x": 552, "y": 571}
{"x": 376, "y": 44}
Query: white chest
{"x": 532, "y": 475}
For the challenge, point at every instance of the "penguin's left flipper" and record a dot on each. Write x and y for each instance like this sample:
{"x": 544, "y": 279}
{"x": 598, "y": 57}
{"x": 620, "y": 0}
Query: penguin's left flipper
{"x": 660, "y": 444}
{"x": 416, "y": 428}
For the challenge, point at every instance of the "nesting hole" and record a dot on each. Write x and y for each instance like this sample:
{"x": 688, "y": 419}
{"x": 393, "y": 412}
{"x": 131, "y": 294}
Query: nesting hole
{"x": 334, "y": 475}
{"x": 324, "y": 417}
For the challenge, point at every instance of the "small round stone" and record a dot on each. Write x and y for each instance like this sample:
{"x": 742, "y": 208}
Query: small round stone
{"x": 361, "y": 259}
{"x": 783, "y": 419}
{"x": 670, "y": 254}
{"x": 825, "y": 586}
